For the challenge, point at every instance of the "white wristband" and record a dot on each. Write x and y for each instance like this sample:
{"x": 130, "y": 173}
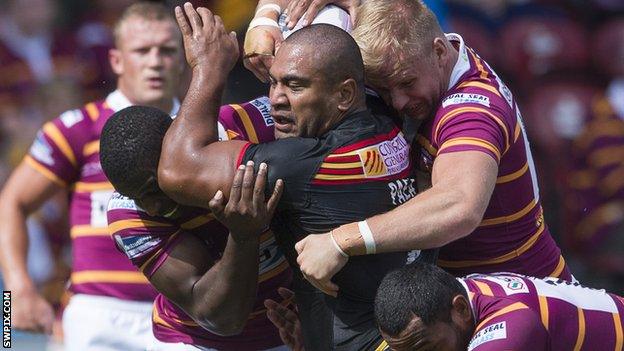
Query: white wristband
{"x": 262, "y": 21}
{"x": 367, "y": 235}
{"x": 331, "y": 235}
{"x": 274, "y": 7}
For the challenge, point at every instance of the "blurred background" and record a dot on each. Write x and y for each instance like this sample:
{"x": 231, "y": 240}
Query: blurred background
{"x": 563, "y": 60}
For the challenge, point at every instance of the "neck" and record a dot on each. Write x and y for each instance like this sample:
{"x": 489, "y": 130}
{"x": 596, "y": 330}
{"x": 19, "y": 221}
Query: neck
{"x": 165, "y": 104}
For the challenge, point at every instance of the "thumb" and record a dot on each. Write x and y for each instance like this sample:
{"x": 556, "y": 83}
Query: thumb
{"x": 217, "y": 203}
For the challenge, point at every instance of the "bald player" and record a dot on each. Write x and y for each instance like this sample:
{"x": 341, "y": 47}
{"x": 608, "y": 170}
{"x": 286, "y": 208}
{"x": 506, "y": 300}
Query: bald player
{"x": 329, "y": 148}
{"x": 421, "y": 307}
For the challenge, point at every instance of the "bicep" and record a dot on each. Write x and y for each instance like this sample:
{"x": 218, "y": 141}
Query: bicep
{"x": 470, "y": 173}
{"x": 193, "y": 180}
{"x": 185, "y": 264}
{"x": 28, "y": 188}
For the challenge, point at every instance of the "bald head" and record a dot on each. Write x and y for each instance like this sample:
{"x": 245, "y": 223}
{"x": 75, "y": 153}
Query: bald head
{"x": 332, "y": 51}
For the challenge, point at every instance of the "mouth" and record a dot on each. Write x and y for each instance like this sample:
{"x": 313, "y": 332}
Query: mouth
{"x": 283, "y": 124}
{"x": 155, "y": 82}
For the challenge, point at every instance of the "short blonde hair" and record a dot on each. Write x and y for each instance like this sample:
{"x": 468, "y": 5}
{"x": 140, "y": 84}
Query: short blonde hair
{"x": 150, "y": 11}
{"x": 389, "y": 32}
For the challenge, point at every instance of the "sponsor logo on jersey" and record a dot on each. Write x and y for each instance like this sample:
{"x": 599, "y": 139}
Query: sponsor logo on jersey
{"x": 510, "y": 284}
{"x": 386, "y": 158}
{"x": 120, "y": 202}
{"x": 264, "y": 106}
{"x": 401, "y": 190}
{"x": 463, "y": 98}
{"x": 41, "y": 150}
{"x": 489, "y": 333}
{"x": 70, "y": 118}
{"x": 135, "y": 245}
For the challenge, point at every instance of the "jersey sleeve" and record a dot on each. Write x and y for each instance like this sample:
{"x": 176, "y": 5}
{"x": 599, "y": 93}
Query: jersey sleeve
{"x": 291, "y": 159}
{"x": 249, "y": 121}
{"x": 144, "y": 239}
{"x": 517, "y": 330}
{"x": 57, "y": 149}
{"x": 473, "y": 128}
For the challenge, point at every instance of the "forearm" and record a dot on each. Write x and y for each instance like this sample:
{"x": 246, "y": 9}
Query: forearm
{"x": 225, "y": 295}
{"x": 14, "y": 246}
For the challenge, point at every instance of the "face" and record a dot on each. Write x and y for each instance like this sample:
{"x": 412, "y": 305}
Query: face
{"x": 153, "y": 200}
{"x": 302, "y": 101}
{"x": 416, "y": 90}
{"x": 441, "y": 336}
{"x": 148, "y": 60}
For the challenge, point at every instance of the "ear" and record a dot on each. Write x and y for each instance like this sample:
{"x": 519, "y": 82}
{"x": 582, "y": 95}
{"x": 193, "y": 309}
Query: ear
{"x": 440, "y": 51}
{"x": 114, "y": 58}
{"x": 347, "y": 94}
{"x": 461, "y": 312}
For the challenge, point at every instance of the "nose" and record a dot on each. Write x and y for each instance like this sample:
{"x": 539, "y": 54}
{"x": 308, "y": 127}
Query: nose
{"x": 155, "y": 58}
{"x": 399, "y": 99}
{"x": 277, "y": 98}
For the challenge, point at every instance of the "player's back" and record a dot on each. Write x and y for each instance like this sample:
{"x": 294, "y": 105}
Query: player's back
{"x": 568, "y": 315}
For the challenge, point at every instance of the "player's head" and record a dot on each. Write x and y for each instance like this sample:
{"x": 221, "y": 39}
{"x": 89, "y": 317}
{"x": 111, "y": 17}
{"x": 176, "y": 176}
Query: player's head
{"x": 130, "y": 147}
{"x": 420, "y": 306}
{"x": 148, "y": 57}
{"x": 407, "y": 57}
{"x": 317, "y": 78}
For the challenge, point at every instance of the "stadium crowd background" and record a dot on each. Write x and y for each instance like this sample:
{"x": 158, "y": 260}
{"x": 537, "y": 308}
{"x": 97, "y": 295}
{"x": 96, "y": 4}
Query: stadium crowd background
{"x": 564, "y": 60}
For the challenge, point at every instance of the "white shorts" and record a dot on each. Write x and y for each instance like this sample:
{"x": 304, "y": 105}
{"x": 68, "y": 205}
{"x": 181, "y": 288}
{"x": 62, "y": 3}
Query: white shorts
{"x": 102, "y": 323}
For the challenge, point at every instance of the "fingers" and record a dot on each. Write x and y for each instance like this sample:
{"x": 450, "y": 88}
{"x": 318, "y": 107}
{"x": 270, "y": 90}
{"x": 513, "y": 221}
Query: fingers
{"x": 286, "y": 293}
{"x": 248, "y": 181}
{"x": 259, "y": 65}
{"x": 208, "y": 19}
{"x": 217, "y": 203}
{"x": 327, "y": 287}
{"x": 275, "y": 197}
{"x": 313, "y": 10}
{"x": 259, "y": 186}
{"x": 235, "y": 192}
{"x": 196, "y": 22}
{"x": 299, "y": 246}
{"x": 182, "y": 22}
{"x": 296, "y": 9}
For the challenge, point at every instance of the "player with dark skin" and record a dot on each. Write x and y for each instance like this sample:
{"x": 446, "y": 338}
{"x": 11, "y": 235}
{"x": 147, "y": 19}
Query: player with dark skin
{"x": 303, "y": 105}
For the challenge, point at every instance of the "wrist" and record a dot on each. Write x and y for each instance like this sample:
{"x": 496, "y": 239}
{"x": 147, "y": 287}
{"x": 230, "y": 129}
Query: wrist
{"x": 355, "y": 239}
{"x": 271, "y": 11}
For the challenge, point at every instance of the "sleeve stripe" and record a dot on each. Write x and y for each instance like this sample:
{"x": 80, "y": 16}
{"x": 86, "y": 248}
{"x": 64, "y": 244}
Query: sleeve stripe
{"x": 460, "y": 110}
{"x": 560, "y": 267}
{"x": 44, "y": 171}
{"x": 543, "y": 306}
{"x": 471, "y": 141}
{"x": 496, "y": 260}
{"x": 108, "y": 277}
{"x": 513, "y": 176}
{"x": 159, "y": 251}
{"x": 581, "y": 333}
{"x": 510, "y": 218}
{"x": 247, "y": 123}
{"x": 487, "y": 87}
{"x": 83, "y": 187}
{"x": 92, "y": 111}
{"x": 517, "y": 131}
{"x": 133, "y": 223}
{"x": 87, "y": 230}
{"x": 50, "y": 130}
{"x": 619, "y": 337}
{"x": 427, "y": 145}
{"x": 514, "y": 307}
{"x": 91, "y": 148}
{"x": 484, "y": 288}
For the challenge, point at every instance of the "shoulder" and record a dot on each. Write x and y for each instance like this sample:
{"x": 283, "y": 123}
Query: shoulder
{"x": 250, "y": 120}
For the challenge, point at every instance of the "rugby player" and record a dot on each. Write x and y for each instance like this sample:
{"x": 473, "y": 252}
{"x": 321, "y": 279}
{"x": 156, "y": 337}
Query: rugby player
{"x": 421, "y": 307}
{"x": 327, "y": 154}
{"x": 112, "y": 302}
{"x": 482, "y": 204}
{"x": 211, "y": 285}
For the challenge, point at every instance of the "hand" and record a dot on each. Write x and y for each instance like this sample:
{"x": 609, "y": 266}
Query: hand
{"x": 309, "y": 9}
{"x": 31, "y": 312}
{"x": 319, "y": 261}
{"x": 286, "y": 320}
{"x": 261, "y": 43}
{"x": 206, "y": 43}
{"x": 247, "y": 214}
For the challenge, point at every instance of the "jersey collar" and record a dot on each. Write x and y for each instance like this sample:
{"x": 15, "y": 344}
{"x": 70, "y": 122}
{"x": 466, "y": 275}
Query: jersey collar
{"x": 118, "y": 101}
{"x": 463, "y": 63}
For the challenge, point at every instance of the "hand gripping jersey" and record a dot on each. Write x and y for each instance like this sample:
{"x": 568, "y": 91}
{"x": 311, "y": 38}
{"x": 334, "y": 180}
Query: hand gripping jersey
{"x": 66, "y": 150}
{"x": 358, "y": 169}
{"x": 479, "y": 113}
{"x": 514, "y": 312}
{"x": 148, "y": 240}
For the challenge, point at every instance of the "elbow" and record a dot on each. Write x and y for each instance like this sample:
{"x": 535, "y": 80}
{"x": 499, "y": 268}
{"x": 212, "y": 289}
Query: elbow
{"x": 171, "y": 181}
{"x": 468, "y": 218}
